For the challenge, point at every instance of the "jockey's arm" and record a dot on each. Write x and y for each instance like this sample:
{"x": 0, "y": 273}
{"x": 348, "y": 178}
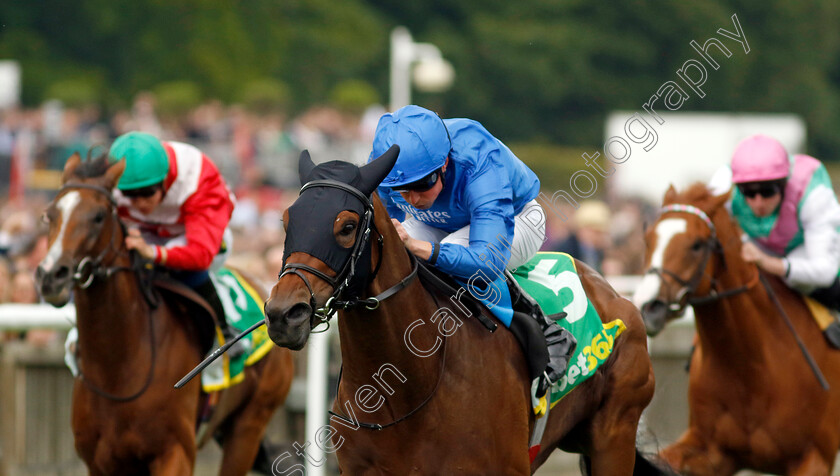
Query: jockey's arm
{"x": 488, "y": 195}
{"x": 206, "y": 215}
{"x": 491, "y": 236}
{"x": 816, "y": 262}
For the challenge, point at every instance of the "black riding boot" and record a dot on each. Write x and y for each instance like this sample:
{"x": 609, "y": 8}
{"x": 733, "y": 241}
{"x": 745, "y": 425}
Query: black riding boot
{"x": 208, "y": 291}
{"x": 830, "y": 298}
{"x": 561, "y": 344}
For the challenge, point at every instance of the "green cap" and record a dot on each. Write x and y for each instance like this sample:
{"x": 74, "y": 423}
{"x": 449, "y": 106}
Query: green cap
{"x": 146, "y": 162}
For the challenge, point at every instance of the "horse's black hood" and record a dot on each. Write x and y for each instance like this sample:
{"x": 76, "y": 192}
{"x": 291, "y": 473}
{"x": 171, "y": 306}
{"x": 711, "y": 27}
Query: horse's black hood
{"x": 311, "y": 217}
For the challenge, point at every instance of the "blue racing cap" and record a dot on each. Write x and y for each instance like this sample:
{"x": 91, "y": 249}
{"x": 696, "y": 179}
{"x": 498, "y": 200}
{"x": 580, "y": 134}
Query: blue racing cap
{"x": 423, "y": 139}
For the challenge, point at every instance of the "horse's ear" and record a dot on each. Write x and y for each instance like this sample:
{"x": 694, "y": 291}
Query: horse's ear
{"x": 670, "y": 195}
{"x": 305, "y": 166}
{"x": 70, "y": 167}
{"x": 720, "y": 200}
{"x": 113, "y": 174}
{"x": 374, "y": 172}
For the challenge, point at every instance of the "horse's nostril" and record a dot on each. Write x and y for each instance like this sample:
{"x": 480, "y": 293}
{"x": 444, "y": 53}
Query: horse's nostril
{"x": 654, "y": 306}
{"x": 299, "y": 312}
{"x": 62, "y": 273}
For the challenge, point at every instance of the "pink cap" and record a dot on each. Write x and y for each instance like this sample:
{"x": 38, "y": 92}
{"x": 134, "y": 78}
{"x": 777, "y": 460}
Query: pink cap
{"x": 759, "y": 158}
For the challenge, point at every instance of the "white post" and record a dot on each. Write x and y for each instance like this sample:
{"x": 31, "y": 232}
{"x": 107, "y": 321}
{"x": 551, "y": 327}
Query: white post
{"x": 317, "y": 380}
{"x": 32, "y": 316}
{"x": 402, "y": 54}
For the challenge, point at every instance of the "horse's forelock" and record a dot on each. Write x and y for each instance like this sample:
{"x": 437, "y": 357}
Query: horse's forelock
{"x": 696, "y": 194}
{"x": 93, "y": 167}
{"x": 699, "y": 195}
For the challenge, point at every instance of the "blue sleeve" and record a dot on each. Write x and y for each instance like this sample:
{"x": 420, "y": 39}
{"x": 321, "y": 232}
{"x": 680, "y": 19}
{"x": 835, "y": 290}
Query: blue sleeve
{"x": 489, "y": 198}
{"x": 393, "y": 210}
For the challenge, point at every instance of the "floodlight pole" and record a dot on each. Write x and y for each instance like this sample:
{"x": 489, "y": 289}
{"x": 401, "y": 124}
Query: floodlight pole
{"x": 404, "y": 53}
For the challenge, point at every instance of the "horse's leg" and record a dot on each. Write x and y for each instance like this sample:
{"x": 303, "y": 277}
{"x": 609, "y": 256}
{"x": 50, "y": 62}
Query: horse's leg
{"x": 176, "y": 461}
{"x": 613, "y": 427}
{"x": 613, "y": 450}
{"x": 271, "y": 379}
{"x": 692, "y": 455}
{"x": 814, "y": 464}
{"x": 94, "y": 471}
{"x": 242, "y": 441}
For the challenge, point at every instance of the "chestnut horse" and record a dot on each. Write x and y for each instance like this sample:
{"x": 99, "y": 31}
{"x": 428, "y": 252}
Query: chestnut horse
{"x": 754, "y": 402}
{"x": 424, "y": 391}
{"x": 127, "y": 418}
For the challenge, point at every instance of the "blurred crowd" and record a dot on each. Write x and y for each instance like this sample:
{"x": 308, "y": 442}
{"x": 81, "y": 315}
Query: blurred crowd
{"x": 257, "y": 154}
{"x": 609, "y": 238}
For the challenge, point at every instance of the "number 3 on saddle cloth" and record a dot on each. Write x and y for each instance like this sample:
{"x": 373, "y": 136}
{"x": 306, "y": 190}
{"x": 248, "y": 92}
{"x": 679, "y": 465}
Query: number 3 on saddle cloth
{"x": 243, "y": 308}
{"x": 551, "y": 279}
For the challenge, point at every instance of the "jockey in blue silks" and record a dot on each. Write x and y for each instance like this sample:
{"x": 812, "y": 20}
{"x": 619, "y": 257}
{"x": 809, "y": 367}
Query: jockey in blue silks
{"x": 464, "y": 203}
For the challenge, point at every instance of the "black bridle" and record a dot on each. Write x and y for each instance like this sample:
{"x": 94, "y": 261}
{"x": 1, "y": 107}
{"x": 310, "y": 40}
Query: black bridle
{"x": 342, "y": 281}
{"x": 711, "y": 247}
{"x": 88, "y": 269}
{"x": 343, "y": 278}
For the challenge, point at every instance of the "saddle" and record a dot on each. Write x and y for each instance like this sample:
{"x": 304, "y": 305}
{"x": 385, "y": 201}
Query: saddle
{"x": 201, "y": 315}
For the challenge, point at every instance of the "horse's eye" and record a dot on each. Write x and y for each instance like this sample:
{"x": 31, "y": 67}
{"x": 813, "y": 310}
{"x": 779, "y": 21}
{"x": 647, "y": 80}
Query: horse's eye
{"x": 348, "y": 228}
{"x": 49, "y": 216}
{"x": 99, "y": 218}
{"x": 697, "y": 246}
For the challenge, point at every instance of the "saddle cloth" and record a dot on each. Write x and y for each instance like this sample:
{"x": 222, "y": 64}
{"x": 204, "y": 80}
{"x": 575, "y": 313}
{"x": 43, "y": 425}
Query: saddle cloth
{"x": 552, "y": 280}
{"x": 243, "y": 308}
{"x": 820, "y": 313}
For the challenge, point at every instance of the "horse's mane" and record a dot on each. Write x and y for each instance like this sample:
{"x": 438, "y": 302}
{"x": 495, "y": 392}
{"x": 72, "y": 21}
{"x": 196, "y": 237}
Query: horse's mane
{"x": 93, "y": 166}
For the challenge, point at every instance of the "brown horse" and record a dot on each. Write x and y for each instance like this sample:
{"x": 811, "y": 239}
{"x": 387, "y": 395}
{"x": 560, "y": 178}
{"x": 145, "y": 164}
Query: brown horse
{"x": 425, "y": 389}
{"x": 754, "y": 401}
{"x": 127, "y": 418}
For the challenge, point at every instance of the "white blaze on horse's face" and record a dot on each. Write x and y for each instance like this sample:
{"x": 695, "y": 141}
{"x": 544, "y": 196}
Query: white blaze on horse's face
{"x": 666, "y": 230}
{"x": 66, "y": 205}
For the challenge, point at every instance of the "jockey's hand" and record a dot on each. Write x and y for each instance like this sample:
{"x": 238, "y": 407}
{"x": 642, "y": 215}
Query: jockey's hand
{"x": 419, "y": 248}
{"x": 134, "y": 241}
{"x": 751, "y": 253}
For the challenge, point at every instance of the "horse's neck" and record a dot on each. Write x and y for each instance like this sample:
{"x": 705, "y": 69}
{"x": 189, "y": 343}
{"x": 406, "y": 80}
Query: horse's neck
{"x": 113, "y": 324}
{"x": 373, "y": 339}
{"x": 735, "y": 327}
